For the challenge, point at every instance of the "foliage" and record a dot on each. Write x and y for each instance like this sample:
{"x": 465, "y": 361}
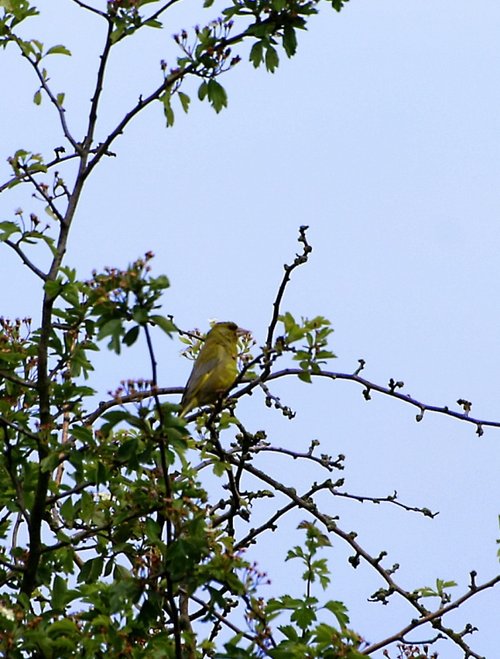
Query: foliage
{"x": 114, "y": 539}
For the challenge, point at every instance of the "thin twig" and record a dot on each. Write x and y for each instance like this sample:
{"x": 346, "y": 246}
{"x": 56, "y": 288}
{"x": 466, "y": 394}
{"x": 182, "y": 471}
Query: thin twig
{"x": 11, "y": 377}
{"x": 26, "y": 260}
{"x": 45, "y": 86}
{"x": 83, "y": 5}
{"x": 434, "y": 617}
{"x": 387, "y": 391}
{"x": 299, "y": 260}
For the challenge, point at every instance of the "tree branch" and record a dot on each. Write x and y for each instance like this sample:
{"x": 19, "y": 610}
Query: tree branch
{"x": 44, "y": 85}
{"x": 83, "y": 5}
{"x": 27, "y": 262}
{"x": 21, "y": 178}
{"x": 426, "y": 616}
{"x": 434, "y": 618}
{"x": 389, "y": 390}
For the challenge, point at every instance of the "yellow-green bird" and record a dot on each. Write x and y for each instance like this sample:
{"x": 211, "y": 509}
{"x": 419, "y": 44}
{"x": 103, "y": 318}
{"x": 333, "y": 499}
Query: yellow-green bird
{"x": 215, "y": 368}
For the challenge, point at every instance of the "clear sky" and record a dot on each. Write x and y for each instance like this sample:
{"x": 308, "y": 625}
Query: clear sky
{"x": 382, "y": 135}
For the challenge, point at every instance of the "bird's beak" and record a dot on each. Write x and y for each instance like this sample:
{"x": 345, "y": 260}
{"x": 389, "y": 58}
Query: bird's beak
{"x": 242, "y": 332}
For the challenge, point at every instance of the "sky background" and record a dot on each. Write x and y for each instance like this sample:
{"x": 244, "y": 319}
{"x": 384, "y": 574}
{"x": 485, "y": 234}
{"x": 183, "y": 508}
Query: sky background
{"x": 382, "y": 135}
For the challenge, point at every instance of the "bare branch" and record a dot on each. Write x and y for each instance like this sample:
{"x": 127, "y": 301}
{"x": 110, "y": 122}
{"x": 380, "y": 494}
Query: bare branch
{"x": 391, "y": 498}
{"x": 43, "y": 194}
{"x": 159, "y": 12}
{"x": 434, "y": 618}
{"x": 83, "y": 5}
{"x": 425, "y": 616}
{"x": 136, "y": 397}
{"x": 27, "y": 262}
{"x": 45, "y": 86}
{"x": 299, "y": 260}
{"x": 142, "y": 103}
{"x": 387, "y": 391}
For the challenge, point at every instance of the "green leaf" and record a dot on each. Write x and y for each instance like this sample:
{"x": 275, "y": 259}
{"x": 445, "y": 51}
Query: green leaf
{"x": 58, "y": 50}
{"x": 166, "y": 99}
{"x": 111, "y": 327}
{"x": 140, "y": 316}
{"x": 128, "y": 449}
{"x": 53, "y": 288}
{"x": 272, "y": 59}
{"x": 154, "y": 23}
{"x": 164, "y": 323}
{"x": 290, "y": 632}
{"x": 59, "y": 591}
{"x": 185, "y": 101}
{"x": 91, "y": 570}
{"x": 256, "y": 54}
{"x": 152, "y": 529}
{"x": 202, "y": 91}
{"x": 289, "y": 41}
{"x": 131, "y": 336}
{"x": 338, "y": 4}
{"x": 339, "y": 610}
{"x": 67, "y": 512}
{"x": 7, "y": 229}
{"x": 304, "y": 615}
{"x": 216, "y": 95}
{"x": 114, "y": 417}
{"x": 160, "y": 283}
{"x": 49, "y": 463}
{"x": 261, "y": 30}
{"x": 37, "y": 98}
{"x": 59, "y": 630}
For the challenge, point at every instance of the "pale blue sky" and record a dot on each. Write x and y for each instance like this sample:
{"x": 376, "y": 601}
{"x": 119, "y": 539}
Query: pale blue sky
{"x": 382, "y": 134}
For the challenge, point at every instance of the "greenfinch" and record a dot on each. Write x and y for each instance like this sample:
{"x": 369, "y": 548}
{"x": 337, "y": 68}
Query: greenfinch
{"x": 215, "y": 369}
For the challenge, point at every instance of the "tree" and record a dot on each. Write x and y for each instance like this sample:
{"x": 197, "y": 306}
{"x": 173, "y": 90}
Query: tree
{"x": 116, "y": 540}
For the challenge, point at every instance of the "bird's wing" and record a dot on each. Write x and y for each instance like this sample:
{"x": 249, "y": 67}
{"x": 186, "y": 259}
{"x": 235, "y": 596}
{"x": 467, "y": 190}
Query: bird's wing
{"x": 200, "y": 373}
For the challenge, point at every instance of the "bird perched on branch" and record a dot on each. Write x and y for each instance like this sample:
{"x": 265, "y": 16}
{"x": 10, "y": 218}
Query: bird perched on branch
{"x": 215, "y": 368}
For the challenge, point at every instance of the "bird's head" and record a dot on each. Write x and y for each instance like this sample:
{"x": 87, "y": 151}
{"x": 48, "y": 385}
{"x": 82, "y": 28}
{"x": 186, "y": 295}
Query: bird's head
{"x": 226, "y": 331}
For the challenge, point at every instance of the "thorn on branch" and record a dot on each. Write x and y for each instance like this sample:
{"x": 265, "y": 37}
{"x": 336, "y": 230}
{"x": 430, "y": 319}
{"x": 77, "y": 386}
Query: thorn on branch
{"x": 428, "y": 513}
{"x": 393, "y": 569}
{"x": 382, "y": 595}
{"x": 354, "y": 560}
{"x": 393, "y": 385}
{"x": 339, "y": 462}
{"x": 299, "y": 260}
{"x": 468, "y": 629}
{"x": 314, "y": 443}
{"x": 274, "y": 401}
{"x": 302, "y": 239}
{"x": 466, "y": 405}
{"x": 59, "y": 150}
{"x": 473, "y": 576}
{"x": 361, "y": 366}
